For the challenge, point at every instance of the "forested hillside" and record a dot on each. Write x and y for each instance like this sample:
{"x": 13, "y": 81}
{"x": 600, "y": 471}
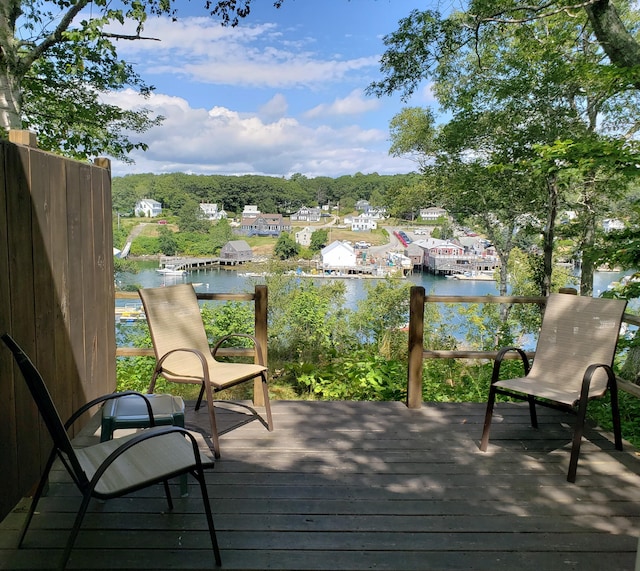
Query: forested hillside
{"x": 270, "y": 194}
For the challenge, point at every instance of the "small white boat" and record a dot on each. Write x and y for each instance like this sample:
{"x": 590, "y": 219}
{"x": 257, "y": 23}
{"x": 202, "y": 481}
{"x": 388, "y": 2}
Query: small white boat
{"x": 170, "y": 270}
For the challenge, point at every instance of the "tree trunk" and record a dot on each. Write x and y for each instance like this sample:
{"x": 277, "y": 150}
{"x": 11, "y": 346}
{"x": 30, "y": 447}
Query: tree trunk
{"x": 11, "y": 72}
{"x": 621, "y": 47}
{"x": 630, "y": 370}
{"x": 587, "y": 266}
{"x": 549, "y": 233}
{"x": 10, "y": 99}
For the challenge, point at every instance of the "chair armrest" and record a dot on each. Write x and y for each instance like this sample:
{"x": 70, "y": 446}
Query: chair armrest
{"x": 196, "y": 352}
{"x": 157, "y": 432}
{"x": 256, "y": 343}
{"x": 495, "y": 376}
{"x": 84, "y": 408}
{"x": 588, "y": 376}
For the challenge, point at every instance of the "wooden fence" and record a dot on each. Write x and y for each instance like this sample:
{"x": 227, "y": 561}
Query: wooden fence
{"x": 56, "y": 296}
{"x": 418, "y": 353}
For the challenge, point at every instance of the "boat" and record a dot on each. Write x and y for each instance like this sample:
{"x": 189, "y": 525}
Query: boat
{"x": 481, "y": 276}
{"x": 171, "y": 270}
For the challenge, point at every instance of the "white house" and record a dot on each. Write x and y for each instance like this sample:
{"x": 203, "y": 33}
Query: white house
{"x": 250, "y": 211}
{"x": 363, "y": 223}
{"x": 304, "y": 236}
{"x": 432, "y": 213}
{"x": 609, "y": 224}
{"x": 338, "y": 255}
{"x": 306, "y": 214}
{"x": 148, "y": 208}
{"x": 377, "y": 213}
{"x": 211, "y": 211}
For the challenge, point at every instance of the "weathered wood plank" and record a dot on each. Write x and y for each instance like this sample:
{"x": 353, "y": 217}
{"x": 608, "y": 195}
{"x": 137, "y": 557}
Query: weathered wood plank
{"x": 342, "y": 486}
{"x": 8, "y": 436}
{"x": 22, "y": 319}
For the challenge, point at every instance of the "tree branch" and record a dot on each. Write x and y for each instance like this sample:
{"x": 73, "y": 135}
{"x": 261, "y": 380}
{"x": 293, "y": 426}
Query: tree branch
{"x": 539, "y": 13}
{"x": 56, "y": 36}
{"x": 129, "y": 37}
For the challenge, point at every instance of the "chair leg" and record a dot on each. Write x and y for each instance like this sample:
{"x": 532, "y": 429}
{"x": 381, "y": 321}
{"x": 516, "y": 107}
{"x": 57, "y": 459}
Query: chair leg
{"x": 36, "y": 497}
{"x": 532, "y": 411}
{"x": 76, "y": 528}
{"x": 199, "y": 474}
{"x": 199, "y": 401}
{"x": 615, "y": 413}
{"x": 152, "y": 384}
{"x": 484, "y": 442}
{"x": 577, "y": 437}
{"x": 214, "y": 425}
{"x": 267, "y": 402}
{"x": 167, "y": 492}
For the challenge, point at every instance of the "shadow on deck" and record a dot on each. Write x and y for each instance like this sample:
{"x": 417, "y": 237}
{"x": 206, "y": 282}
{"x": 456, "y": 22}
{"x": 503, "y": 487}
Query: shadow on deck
{"x": 357, "y": 485}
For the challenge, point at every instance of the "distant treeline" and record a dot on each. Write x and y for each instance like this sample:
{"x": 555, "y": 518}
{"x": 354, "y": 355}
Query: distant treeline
{"x": 269, "y": 194}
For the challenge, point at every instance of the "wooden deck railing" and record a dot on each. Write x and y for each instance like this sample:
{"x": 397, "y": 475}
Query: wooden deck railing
{"x": 260, "y": 299}
{"x": 418, "y": 353}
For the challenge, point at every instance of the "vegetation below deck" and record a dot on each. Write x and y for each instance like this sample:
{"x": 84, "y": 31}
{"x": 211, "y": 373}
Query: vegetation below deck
{"x": 318, "y": 350}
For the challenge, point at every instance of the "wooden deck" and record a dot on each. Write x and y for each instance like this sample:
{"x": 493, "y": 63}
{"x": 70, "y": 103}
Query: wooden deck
{"x": 351, "y": 485}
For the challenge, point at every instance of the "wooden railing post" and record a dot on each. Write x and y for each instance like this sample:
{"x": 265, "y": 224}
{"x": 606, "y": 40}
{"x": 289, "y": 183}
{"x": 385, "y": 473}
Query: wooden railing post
{"x": 261, "y": 305}
{"x": 23, "y": 137}
{"x": 103, "y": 162}
{"x": 416, "y": 347}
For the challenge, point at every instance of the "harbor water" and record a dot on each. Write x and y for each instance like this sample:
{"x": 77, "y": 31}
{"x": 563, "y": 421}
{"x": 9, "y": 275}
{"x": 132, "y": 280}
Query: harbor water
{"x": 231, "y": 281}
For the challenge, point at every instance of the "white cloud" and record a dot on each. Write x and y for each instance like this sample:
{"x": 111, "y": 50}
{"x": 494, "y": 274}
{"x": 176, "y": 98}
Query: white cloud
{"x": 249, "y": 55}
{"x": 207, "y": 73}
{"x": 223, "y": 141}
{"x": 274, "y": 108}
{"x": 353, "y": 104}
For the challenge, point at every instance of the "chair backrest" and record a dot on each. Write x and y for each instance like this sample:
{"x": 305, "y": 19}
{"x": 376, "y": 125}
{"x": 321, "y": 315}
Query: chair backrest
{"x": 175, "y": 322}
{"x": 577, "y": 331}
{"x": 47, "y": 409}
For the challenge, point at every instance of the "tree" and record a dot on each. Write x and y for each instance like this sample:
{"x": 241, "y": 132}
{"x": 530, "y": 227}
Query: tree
{"x": 406, "y": 200}
{"x": 286, "y": 247}
{"x": 221, "y": 233}
{"x": 424, "y": 39}
{"x": 412, "y": 134}
{"x": 382, "y": 313}
{"x": 167, "y": 242}
{"x": 319, "y": 240}
{"x": 191, "y": 217}
{"x": 517, "y": 95}
{"x": 56, "y": 60}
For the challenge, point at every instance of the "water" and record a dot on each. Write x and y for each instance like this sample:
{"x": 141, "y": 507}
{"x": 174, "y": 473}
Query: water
{"x": 229, "y": 281}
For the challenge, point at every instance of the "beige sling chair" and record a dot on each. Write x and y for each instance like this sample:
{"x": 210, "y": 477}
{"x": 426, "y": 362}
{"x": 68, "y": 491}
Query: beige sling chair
{"x": 572, "y": 364}
{"x": 117, "y": 467}
{"x": 183, "y": 354}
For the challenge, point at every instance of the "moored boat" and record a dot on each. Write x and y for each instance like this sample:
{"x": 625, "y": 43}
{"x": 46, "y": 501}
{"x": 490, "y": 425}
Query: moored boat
{"x": 171, "y": 270}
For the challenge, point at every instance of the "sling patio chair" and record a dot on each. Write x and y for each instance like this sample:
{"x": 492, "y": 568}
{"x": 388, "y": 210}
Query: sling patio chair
{"x": 572, "y": 365}
{"x": 183, "y": 353}
{"x": 117, "y": 467}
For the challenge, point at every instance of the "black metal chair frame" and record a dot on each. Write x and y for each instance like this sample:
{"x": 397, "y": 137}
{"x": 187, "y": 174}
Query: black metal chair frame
{"x": 63, "y": 449}
{"x": 580, "y": 411}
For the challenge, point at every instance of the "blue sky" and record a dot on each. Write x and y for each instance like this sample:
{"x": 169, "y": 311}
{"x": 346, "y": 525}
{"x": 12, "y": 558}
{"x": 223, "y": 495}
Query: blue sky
{"x": 281, "y": 93}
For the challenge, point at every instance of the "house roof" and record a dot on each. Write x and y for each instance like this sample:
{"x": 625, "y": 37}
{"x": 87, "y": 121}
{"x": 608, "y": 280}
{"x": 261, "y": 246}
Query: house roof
{"x": 334, "y": 246}
{"x": 149, "y": 201}
{"x": 238, "y": 245}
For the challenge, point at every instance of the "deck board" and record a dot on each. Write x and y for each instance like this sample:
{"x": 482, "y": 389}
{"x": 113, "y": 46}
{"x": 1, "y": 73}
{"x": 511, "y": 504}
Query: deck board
{"x": 351, "y": 486}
